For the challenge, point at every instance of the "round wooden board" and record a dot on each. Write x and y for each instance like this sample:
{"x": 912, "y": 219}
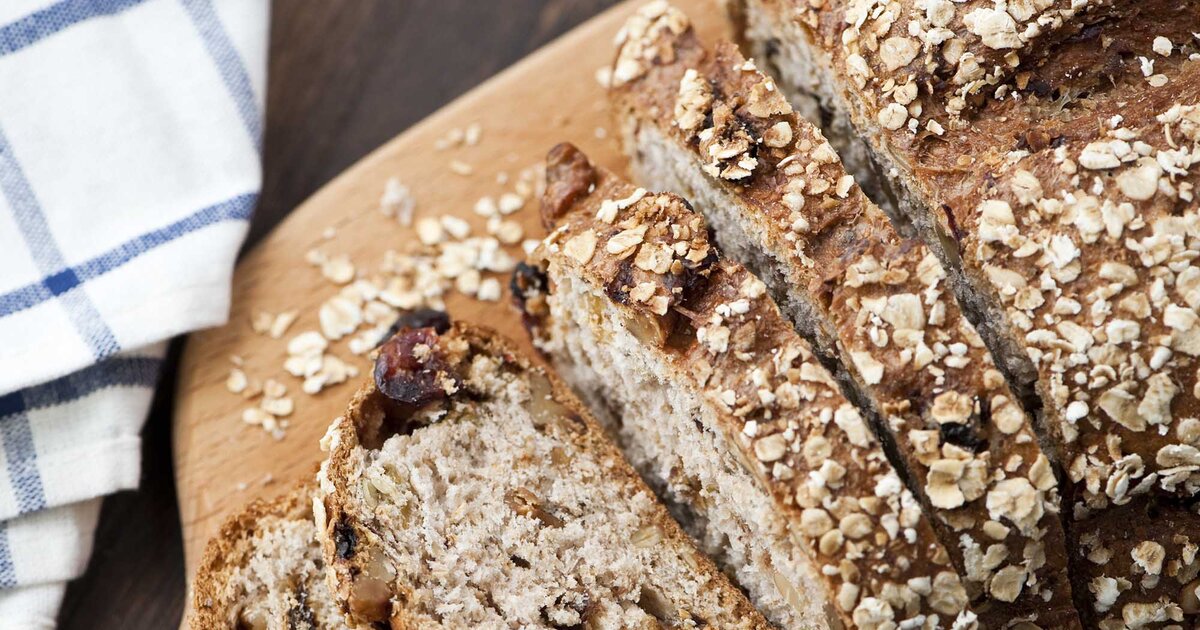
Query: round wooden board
{"x": 552, "y": 96}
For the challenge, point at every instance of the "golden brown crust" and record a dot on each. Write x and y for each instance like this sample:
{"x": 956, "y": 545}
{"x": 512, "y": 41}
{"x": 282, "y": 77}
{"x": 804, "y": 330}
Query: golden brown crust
{"x": 1148, "y": 543}
{"x": 958, "y": 427}
{"x": 959, "y": 53}
{"x": 1086, "y": 203}
{"x": 1068, "y": 195}
{"x": 348, "y": 539}
{"x": 231, "y": 548}
{"x": 807, "y": 446}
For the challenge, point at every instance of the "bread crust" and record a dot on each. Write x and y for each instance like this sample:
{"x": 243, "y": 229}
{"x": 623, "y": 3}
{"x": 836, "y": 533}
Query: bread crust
{"x": 994, "y": 184}
{"x": 1075, "y": 254}
{"x": 712, "y": 321}
{"x": 866, "y": 294}
{"x": 364, "y": 426}
{"x": 231, "y": 548}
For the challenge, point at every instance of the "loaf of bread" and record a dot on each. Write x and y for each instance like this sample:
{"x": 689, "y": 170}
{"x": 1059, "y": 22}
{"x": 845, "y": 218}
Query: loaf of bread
{"x": 714, "y": 129}
{"x": 467, "y": 489}
{"x": 727, "y": 411}
{"x": 1046, "y": 152}
{"x": 264, "y": 571}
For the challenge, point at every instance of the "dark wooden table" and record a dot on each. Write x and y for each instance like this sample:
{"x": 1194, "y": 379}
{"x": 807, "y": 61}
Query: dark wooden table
{"x": 344, "y": 77}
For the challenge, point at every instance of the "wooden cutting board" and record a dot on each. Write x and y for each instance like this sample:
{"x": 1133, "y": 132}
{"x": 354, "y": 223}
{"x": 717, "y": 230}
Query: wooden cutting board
{"x": 222, "y": 462}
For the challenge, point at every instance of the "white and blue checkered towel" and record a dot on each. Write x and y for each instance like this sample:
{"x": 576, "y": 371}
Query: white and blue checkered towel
{"x": 129, "y": 166}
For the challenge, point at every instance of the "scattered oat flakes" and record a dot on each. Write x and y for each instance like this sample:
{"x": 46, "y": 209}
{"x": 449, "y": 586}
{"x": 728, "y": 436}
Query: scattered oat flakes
{"x": 338, "y": 269}
{"x": 397, "y": 201}
{"x": 254, "y": 415}
{"x": 472, "y": 134}
{"x": 429, "y": 231}
{"x": 237, "y": 381}
{"x": 486, "y": 207}
{"x": 510, "y": 203}
{"x": 489, "y": 290}
{"x": 455, "y": 226}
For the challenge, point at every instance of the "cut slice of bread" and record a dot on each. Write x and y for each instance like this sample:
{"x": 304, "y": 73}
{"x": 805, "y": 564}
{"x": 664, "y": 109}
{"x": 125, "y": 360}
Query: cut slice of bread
{"x": 467, "y": 489}
{"x": 264, "y": 571}
{"x": 874, "y": 303}
{"x": 722, "y": 406}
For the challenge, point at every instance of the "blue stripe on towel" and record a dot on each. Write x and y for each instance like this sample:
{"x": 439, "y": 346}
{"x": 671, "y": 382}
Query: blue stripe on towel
{"x": 237, "y": 208}
{"x": 31, "y": 222}
{"x": 8, "y": 572}
{"x": 16, "y": 433}
{"x": 115, "y": 372}
{"x": 229, "y": 64}
{"x": 39, "y": 25}
{"x": 20, "y": 454}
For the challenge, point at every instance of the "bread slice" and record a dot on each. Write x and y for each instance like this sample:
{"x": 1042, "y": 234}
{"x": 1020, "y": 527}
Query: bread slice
{"x": 264, "y": 571}
{"x": 1062, "y": 203}
{"x": 873, "y": 302}
{"x": 717, "y": 400}
{"x": 467, "y": 489}
{"x": 798, "y": 82}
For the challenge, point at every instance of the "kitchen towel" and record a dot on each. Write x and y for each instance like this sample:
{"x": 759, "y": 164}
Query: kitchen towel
{"x": 130, "y": 134}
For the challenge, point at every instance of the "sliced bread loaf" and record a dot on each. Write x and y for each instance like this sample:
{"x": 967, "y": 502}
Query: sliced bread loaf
{"x": 718, "y": 401}
{"x": 874, "y": 303}
{"x": 1070, "y": 241}
{"x": 467, "y": 489}
{"x": 264, "y": 571}
{"x": 1058, "y": 188}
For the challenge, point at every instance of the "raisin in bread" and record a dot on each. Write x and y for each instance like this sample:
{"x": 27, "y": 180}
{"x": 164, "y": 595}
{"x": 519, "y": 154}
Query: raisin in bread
{"x": 1058, "y": 189}
{"x": 467, "y": 489}
{"x": 724, "y": 408}
{"x": 264, "y": 571}
{"x": 712, "y": 128}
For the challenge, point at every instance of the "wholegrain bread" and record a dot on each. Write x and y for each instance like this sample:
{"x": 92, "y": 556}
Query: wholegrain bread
{"x": 1058, "y": 189}
{"x": 874, "y": 303}
{"x": 727, "y": 411}
{"x": 467, "y": 489}
{"x": 264, "y": 571}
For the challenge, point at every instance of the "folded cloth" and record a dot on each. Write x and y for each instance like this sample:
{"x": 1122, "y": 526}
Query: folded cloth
{"x": 129, "y": 167}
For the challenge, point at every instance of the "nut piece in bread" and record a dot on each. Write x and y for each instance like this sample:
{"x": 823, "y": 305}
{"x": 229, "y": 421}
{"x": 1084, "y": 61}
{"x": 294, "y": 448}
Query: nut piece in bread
{"x": 726, "y": 410}
{"x": 467, "y": 489}
{"x": 264, "y": 571}
{"x": 874, "y": 303}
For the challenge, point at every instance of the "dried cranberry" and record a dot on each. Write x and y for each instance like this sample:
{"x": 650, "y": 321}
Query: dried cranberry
{"x": 410, "y": 369}
{"x": 439, "y": 321}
